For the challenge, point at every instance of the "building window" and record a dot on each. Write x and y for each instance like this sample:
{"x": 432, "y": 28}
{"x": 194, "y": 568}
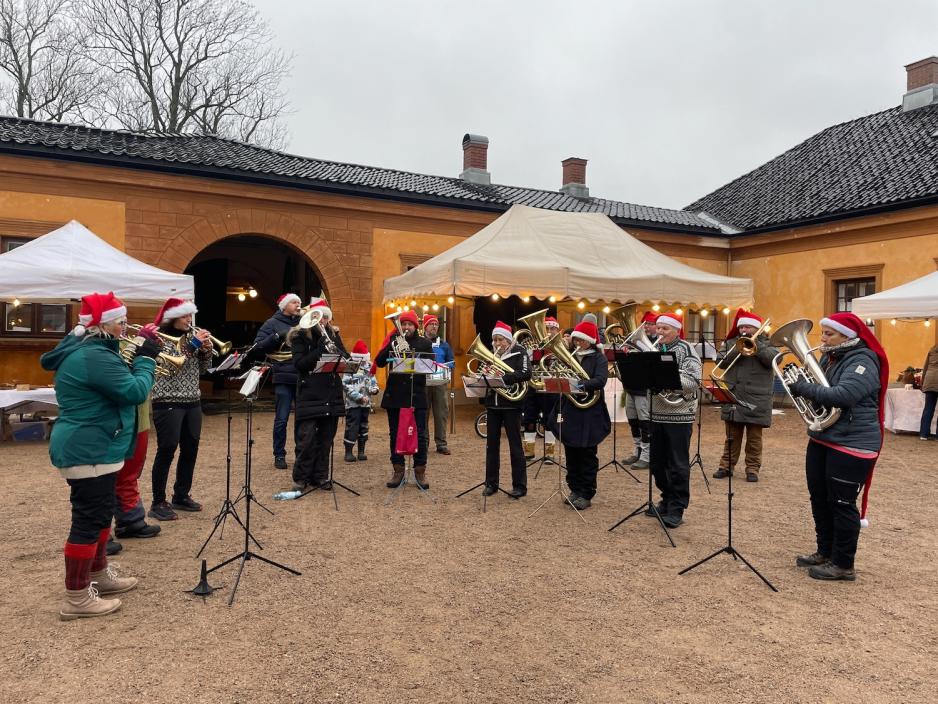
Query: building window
{"x": 695, "y": 324}
{"x": 845, "y": 290}
{"x": 22, "y": 319}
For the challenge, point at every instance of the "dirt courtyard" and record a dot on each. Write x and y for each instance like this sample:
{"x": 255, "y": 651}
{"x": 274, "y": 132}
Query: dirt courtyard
{"x": 439, "y": 602}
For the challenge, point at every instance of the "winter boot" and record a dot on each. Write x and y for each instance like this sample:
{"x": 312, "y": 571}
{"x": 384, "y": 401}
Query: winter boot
{"x": 108, "y": 581}
{"x": 85, "y": 603}
{"x": 636, "y": 454}
{"x": 645, "y": 453}
{"x": 349, "y": 457}
{"x": 396, "y": 477}
{"x": 361, "y": 451}
{"x": 420, "y": 476}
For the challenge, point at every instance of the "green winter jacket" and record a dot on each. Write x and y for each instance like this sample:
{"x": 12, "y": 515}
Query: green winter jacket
{"x": 98, "y": 397}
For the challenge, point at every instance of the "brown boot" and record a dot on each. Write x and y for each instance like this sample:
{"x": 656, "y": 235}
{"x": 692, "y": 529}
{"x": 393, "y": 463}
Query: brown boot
{"x": 85, "y": 603}
{"x": 830, "y": 572}
{"x": 108, "y": 581}
{"x": 397, "y": 477}
{"x": 420, "y": 476}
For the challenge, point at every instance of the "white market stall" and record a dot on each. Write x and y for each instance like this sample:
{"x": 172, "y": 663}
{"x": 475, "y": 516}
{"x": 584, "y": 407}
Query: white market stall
{"x": 915, "y": 299}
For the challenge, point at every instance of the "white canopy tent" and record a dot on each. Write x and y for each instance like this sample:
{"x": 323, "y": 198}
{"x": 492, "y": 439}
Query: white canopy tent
{"x": 915, "y": 299}
{"x": 72, "y": 261}
{"x": 541, "y": 253}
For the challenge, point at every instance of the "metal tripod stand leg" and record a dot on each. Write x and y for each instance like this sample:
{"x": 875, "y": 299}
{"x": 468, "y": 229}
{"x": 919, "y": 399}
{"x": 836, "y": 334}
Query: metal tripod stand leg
{"x": 409, "y": 478}
{"x": 559, "y": 490}
{"x": 614, "y": 462}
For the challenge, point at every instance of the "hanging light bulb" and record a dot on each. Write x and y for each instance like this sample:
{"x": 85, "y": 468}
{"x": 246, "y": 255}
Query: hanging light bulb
{"x": 526, "y": 299}
{"x": 252, "y": 293}
{"x": 242, "y": 297}
{"x": 495, "y": 296}
{"x": 450, "y": 300}
{"x": 893, "y": 322}
{"x": 606, "y": 309}
{"x": 704, "y": 313}
{"x": 656, "y": 307}
{"x": 581, "y": 305}
{"x": 927, "y": 323}
{"x": 552, "y": 299}
{"x": 679, "y": 311}
{"x": 435, "y": 307}
{"x": 16, "y": 302}
{"x": 726, "y": 311}
{"x": 399, "y": 309}
{"x": 406, "y": 308}
{"x": 426, "y": 309}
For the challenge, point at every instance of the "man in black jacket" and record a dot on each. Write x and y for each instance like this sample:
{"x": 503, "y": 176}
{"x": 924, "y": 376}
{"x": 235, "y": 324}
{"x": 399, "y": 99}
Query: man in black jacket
{"x": 406, "y": 391}
{"x": 271, "y": 339}
{"x": 319, "y": 399}
{"x": 503, "y": 412}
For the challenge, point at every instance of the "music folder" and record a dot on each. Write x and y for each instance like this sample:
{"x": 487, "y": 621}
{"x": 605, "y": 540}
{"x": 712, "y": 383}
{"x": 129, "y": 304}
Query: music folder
{"x": 413, "y": 365}
{"x": 232, "y": 361}
{"x": 252, "y": 380}
{"x": 477, "y": 386}
{"x": 335, "y": 364}
{"x": 558, "y": 385}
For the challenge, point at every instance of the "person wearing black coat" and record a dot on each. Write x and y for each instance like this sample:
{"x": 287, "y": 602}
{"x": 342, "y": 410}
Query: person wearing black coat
{"x": 270, "y": 339}
{"x": 320, "y": 400}
{"x": 406, "y": 391}
{"x": 507, "y": 413}
{"x": 582, "y": 429}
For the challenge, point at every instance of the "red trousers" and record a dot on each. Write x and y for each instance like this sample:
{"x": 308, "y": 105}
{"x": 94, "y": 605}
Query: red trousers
{"x": 129, "y": 509}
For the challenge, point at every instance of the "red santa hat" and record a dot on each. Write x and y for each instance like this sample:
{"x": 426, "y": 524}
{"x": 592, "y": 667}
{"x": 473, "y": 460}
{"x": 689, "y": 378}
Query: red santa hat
{"x": 649, "y": 317}
{"x": 286, "y": 299}
{"x": 501, "y": 329}
{"x": 174, "y": 308}
{"x": 98, "y": 308}
{"x": 551, "y": 322}
{"x": 321, "y": 304}
{"x": 409, "y": 316}
{"x": 851, "y": 326}
{"x": 744, "y": 317}
{"x": 586, "y": 331}
{"x": 427, "y": 319}
{"x": 673, "y": 320}
{"x": 360, "y": 352}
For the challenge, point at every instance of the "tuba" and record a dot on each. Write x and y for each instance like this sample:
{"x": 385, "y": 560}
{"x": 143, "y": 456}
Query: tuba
{"x": 622, "y": 317}
{"x": 563, "y": 364}
{"x": 532, "y": 338}
{"x": 490, "y": 364}
{"x": 792, "y": 339}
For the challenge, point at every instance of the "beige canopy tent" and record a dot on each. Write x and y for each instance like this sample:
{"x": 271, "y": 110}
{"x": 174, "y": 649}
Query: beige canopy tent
{"x": 541, "y": 253}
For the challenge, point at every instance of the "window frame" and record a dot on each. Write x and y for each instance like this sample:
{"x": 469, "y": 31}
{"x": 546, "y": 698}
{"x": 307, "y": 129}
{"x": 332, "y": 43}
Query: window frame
{"x": 834, "y": 277}
{"x": 35, "y": 317}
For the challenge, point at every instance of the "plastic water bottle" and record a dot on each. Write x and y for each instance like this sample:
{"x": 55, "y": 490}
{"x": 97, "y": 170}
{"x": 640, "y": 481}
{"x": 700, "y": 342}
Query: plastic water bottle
{"x": 287, "y": 495}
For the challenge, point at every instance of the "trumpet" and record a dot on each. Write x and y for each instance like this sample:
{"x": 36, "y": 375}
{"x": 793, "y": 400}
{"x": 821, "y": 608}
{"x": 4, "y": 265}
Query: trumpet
{"x": 745, "y": 347}
{"x": 487, "y": 363}
{"x": 166, "y": 364}
{"x": 792, "y": 339}
{"x": 219, "y": 348}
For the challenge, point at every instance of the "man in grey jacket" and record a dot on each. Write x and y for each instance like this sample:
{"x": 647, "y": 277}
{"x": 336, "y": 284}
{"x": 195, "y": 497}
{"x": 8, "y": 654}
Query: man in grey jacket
{"x": 750, "y": 378}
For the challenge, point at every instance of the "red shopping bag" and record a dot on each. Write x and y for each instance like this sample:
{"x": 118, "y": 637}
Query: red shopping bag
{"x": 406, "y": 441}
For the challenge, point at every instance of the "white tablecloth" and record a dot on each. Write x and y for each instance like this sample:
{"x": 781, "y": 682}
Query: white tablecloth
{"x": 904, "y": 410}
{"x": 34, "y": 399}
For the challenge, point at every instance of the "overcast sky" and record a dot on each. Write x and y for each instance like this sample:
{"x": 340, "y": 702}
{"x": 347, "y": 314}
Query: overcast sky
{"x": 667, "y": 99}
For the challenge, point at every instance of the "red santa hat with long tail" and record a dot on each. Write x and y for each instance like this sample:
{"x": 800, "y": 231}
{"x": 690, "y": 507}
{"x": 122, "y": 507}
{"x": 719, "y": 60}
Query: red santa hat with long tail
{"x": 98, "y": 308}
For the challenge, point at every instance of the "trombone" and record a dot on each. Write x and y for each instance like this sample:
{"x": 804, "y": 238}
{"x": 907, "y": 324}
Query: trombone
{"x": 745, "y": 347}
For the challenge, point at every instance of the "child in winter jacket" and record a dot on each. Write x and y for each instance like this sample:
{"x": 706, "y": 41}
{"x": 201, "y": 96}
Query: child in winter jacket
{"x": 359, "y": 388}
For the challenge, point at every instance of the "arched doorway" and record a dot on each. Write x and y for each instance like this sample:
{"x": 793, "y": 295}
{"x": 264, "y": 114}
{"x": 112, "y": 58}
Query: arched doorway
{"x": 227, "y": 271}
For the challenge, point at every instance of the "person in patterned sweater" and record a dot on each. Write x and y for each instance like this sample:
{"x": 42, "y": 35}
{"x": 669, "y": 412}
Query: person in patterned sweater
{"x": 177, "y": 411}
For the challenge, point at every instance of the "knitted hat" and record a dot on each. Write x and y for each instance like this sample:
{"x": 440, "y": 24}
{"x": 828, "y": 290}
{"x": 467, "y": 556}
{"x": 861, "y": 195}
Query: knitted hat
{"x": 360, "y": 352}
{"x": 590, "y": 318}
{"x": 586, "y": 331}
{"x": 286, "y": 299}
{"x": 649, "y": 317}
{"x": 673, "y": 320}
{"x": 501, "y": 329}
{"x": 551, "y": 322}
{"x": 409, "y": 316}
{"x": 427, "y": 319}
{"x": 321, "y": 304}
{"x": 97, "y": 308}
{"x": 744, "y": 317}
{"x": 174, "y": 308}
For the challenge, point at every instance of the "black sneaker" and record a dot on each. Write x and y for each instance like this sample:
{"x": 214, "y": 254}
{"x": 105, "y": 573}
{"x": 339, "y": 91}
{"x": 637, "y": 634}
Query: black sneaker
{"x": 673, "y": 520}
{"x": 831, "y": 572}
{"x": 662, "y": 509}
{"x": 280, "y": 462}
{"x": 489, "y": 490}
{"x": 580, "y": 503}
{"x": 139, "y": 530}
{"x": 517, "y": 493}
{"x": 721, "y": 473}
{"x": 187, "y": 504}
{"x": 162, "y": 511}
{"x": 112, "y": 547}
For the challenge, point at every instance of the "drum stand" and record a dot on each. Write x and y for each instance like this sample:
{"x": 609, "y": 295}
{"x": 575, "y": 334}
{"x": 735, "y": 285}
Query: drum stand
{"x": 560, "y": 466}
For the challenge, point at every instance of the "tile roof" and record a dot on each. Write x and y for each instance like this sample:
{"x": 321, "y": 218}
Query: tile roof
{"x": 214, "y": 156}
{"x": 886, "y": 159}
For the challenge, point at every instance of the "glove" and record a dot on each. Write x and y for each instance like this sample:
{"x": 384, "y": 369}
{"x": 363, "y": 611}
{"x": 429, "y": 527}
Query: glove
{"x": 798, "y": 387}
{"x": 150, "y": 348}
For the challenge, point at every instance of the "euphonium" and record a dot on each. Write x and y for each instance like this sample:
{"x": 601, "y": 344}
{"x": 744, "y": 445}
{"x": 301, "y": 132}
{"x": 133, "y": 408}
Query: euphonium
{"x": 400, "y": 347}
{"x": 563, "y": 364}
{"x": 638, "y": 340}
{"x": 745, "y": 347}
{"x": 489, "y": 364}
{"x": 792, "y": 338}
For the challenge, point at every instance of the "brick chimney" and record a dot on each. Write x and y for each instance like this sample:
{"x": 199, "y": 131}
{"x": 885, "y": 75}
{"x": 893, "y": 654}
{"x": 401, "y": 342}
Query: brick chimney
{"x": 475, "y": 149}
{"x": 922, "y": 84}
{"x": 574, "y": 178}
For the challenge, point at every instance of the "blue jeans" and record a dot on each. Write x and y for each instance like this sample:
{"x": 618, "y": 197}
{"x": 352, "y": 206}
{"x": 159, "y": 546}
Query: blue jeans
{"x": 284, "y": 393}
{"x": 931, "y": 399}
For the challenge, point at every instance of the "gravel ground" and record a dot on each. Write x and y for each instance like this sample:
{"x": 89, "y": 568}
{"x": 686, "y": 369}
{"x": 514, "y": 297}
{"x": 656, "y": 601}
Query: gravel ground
{"x": 439, "y": 602}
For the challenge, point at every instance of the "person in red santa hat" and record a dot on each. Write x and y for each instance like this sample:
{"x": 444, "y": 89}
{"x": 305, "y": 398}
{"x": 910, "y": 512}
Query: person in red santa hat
{"x": 177, "y": 410}
{"x": 582, "y": 429}
{"x": 672, "y": 419}
{"x": 840, "y": 459}
{"x": 98, "y": 395}
{"x": 359, "y": 388}
{"x": 750, "y": 378}
{"x": 536, "y": 407}
{"x": 272, "y": 339}
{"x": 406, "y": 391}
{"x": 636, "y": 405}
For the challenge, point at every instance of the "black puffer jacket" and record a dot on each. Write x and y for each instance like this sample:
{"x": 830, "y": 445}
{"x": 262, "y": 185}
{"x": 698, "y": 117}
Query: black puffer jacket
{"x": 271, "y": 335}
{"x": 750, "y": 379}
{"x": 517, "y": 358}
{"x": 590, "y": 426}
{"x": 316, "y": 394}
{"x": 405, "y": 390}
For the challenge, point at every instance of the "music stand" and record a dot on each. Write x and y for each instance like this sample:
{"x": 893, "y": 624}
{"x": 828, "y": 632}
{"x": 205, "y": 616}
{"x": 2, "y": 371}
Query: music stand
{"x": 698, "y": 458}
{"x": 612, "y": 356}
{"x": 252, "y": 384}
{"x": 477, "y": 387}
{"x": 651, "y": 372}
{"x": 558, "y": 386}
{"x": 544, "y": 458}
{"x": 722, "y": 392}
{"x": 412, "y": 364}
{"x": 339, "y": 365}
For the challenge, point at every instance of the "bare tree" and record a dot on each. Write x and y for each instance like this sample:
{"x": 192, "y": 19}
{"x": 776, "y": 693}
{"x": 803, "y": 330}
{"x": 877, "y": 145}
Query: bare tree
{"x": 44, "y": 73}
{"x": 203, "y": 66}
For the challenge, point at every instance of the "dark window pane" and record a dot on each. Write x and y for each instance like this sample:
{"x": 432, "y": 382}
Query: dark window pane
{"x": 18, "y": 318}
{"x": 53, "y": 319}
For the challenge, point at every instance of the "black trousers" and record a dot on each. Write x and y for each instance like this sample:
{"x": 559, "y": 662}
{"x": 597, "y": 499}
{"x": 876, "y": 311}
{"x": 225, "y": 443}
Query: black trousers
{"x": 582, "y": 468}
{"x": 92, "y": 507}
{"x": 423, "y": 435}
{"x": 356, "y": 424}
{"x": 670, "y": 464}
{"x": 835, "y": 479}
{"x": 510, "y": 419}
{"x": 315, "y": 437}
{"x": 176, "y": 427}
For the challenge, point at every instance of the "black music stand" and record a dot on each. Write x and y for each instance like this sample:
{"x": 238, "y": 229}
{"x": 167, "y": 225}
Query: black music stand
{"x": 333, "y": 364}
{"x": 544, "y": 458}
{"x": 698, "y": 458}
{"x": 651, "y": 372}
{"x": 413, "y": 363}
{"x": 558, "y": 386}
{"x": 249, "y": 391}
{"x": 722, "y": 392}
{"x": 614, "y": 356}
{"x": 476, "y": 387}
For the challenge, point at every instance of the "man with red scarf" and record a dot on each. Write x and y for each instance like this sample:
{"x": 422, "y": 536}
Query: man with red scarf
{"x": 840, "y": 459}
